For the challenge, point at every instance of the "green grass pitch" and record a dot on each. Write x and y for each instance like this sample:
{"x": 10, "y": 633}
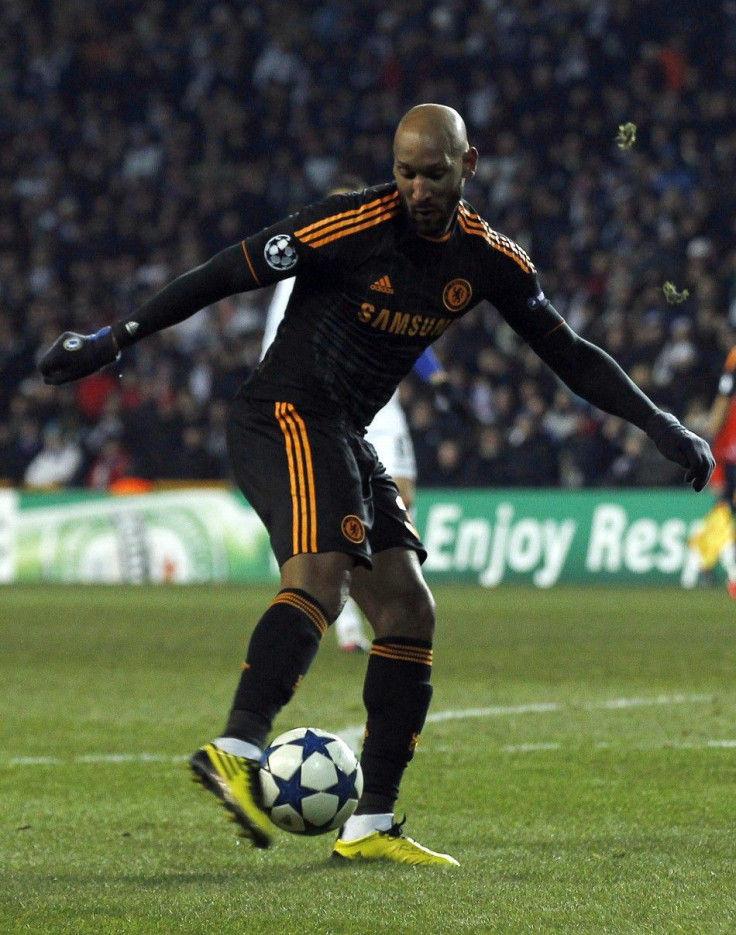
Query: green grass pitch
{"x": 579, "y": 761}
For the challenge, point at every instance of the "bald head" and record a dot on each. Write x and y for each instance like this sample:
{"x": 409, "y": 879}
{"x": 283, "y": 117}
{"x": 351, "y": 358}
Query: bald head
{"x": 432, "y": 161}
{"x": 437, "y": 123}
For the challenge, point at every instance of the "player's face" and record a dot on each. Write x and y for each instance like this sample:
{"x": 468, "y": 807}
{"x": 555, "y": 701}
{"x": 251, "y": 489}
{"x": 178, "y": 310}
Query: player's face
{"x": 430, "y": 180}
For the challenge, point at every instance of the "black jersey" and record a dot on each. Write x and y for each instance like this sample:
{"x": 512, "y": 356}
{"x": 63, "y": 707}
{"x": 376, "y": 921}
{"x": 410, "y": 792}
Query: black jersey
{"x": 371, "y": 294}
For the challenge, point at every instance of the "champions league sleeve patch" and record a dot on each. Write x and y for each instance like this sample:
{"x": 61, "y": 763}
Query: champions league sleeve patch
{"x": 279, "y": 252}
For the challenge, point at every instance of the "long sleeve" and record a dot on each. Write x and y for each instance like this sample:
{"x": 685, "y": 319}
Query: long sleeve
{"x": 225, "y": 274}
{"x": 594, "y": 375}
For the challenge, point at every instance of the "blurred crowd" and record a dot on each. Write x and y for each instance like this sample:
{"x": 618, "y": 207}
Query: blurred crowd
{"x": 139, "y": 137}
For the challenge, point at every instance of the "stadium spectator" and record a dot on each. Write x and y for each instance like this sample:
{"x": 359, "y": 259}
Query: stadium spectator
{"x": 488, "y": 463}
{"x": 112, "y": 464}
{"x": 531, "y": 459}
{"x": 58, "y": 462}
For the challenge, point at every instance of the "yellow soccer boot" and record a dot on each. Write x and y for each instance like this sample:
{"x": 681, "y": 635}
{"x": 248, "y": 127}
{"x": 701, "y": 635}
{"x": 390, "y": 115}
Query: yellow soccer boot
{"x": 391, "y": 845}
{"x": 234, "y": 780}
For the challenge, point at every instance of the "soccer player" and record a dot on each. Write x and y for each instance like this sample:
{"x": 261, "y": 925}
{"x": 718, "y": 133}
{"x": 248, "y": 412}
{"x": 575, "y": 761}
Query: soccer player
{"x": 388, "y": 432}
{"x": 723, "y": 433}
{"x": 390, "y": 438}
{"x": 380, "y": 275}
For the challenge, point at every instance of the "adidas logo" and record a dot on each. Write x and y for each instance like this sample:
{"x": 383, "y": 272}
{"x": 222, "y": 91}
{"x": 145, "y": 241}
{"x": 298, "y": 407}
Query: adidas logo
{"x": 383, "y": 285}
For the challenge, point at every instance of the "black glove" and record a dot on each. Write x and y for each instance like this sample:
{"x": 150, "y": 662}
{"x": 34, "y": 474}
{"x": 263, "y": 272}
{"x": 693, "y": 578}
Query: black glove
{"x": 678, "y": 444}
{"x": 73, "y": 356}
{"x": 450, "y": 399}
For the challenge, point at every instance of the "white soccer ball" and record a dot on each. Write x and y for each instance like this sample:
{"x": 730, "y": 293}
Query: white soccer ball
{"x": 311, "y": 781}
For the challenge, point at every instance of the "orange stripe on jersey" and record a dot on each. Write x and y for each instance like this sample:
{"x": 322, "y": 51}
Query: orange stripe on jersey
{"x": 301, "y": 478}
{"x": 347, "y": 216}
{"x": 349, "y": 222}
{"x": 559, "y": 324}
{"x": 472, "y": 223}
{"x": 730, "y": 361}
{"x": 247, "y": 260}
{"x": 354, "y": 230}
{"x": 306, "y": 607}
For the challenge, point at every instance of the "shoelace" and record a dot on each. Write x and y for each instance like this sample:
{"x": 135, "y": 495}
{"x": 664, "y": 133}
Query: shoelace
{"x": 397, "y": 828}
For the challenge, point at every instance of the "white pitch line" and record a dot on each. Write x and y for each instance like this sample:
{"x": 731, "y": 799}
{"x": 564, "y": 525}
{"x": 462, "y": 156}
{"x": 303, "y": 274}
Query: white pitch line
{"x": 530, "y": 747}
{"x": 495, "y": 711}
{"x": 353, "y": 735}
{"x": 95, "y": 758}
{"x": 618, "y": 703}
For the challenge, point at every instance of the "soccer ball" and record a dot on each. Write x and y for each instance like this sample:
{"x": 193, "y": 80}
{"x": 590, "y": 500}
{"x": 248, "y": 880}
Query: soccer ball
{"x": 311, "y": 781}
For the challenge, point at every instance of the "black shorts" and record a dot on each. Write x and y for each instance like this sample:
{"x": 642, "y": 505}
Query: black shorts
{"x": 316, "y": 485}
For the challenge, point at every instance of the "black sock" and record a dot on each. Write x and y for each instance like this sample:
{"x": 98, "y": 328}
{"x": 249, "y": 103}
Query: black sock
{"x": 281, "y": 649}
{"x": 397, "y": 693}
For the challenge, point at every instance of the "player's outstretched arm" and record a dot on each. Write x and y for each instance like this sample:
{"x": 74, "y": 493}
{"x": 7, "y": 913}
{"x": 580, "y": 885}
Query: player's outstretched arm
{"x": 74, "y": 356}
{"x": 593, "y": 375}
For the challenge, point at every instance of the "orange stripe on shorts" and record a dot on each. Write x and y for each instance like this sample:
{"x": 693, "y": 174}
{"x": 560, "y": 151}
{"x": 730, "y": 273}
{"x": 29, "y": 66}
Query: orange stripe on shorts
{"x": 301, "y": 478}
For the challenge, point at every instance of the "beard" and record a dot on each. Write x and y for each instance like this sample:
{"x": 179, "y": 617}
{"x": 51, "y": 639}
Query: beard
{"x": 433, "y": 219}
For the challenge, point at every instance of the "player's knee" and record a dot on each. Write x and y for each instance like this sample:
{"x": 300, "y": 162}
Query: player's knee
{"x": 410, "y": 613}
{"x": 325, "y": 577}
